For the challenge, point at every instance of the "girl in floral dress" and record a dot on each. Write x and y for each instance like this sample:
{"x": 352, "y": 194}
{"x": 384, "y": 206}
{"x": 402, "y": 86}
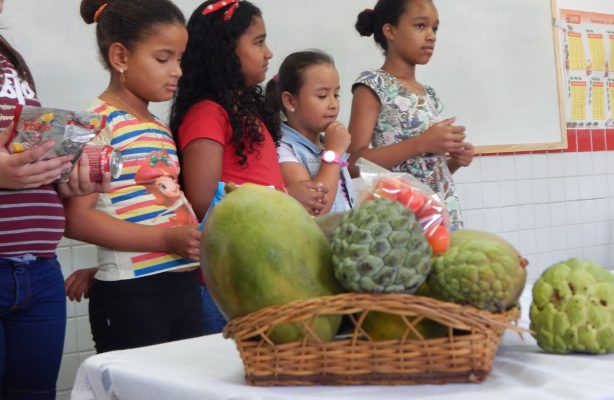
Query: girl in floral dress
{"x": 395, "y": 120}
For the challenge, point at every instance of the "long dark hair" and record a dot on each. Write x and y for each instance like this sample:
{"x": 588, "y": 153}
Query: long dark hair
{"x": 212, "y": 70}
{"x": 127, "y": 22}
{"x": 17, "y": 60}
{"x": 370, "y": 22}
{"x": 291, "y": 76}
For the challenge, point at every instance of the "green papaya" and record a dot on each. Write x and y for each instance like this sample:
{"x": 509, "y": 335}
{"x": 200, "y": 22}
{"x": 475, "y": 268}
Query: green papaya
{"x": 261, "y": 248}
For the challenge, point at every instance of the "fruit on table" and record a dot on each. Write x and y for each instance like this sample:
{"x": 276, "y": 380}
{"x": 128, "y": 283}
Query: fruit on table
{"x": 479, "y": 269}
{"x": 380, "y": 247}
{"x": 384, "y": 326}
{"x": 260, "y": 248}
{"x": 427, "y": 208}
{"x": 573, "y": 308}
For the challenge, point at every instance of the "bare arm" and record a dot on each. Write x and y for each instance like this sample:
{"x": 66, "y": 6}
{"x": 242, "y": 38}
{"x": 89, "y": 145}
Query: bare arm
{"x": 202, "y": 170}
{"x": 84, "y": 222}
{"x": 440, "y": 138}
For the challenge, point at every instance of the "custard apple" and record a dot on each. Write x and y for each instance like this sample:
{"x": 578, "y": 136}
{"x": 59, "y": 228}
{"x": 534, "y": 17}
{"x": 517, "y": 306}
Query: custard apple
{"x": 479, "y": 269}
{"x": 573, "y": 308}
{"x": 380, "y": 247}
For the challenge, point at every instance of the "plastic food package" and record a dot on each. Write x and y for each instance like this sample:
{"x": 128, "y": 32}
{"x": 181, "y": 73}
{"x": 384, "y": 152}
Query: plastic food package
{"x": 70, "y": 130}
{"x": 431, "y": 213}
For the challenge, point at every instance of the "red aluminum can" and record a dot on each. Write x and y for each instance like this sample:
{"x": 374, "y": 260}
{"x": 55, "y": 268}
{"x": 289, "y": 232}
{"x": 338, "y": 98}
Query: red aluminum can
{"x": 103, "y": 158}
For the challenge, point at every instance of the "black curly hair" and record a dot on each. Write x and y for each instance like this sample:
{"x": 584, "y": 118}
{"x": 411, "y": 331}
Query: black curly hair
{"x": 212, "y": 71}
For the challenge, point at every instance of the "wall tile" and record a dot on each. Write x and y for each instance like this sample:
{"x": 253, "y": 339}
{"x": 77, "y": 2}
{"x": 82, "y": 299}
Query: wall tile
{"x": 523, "y": 166}
{"x": 524, "y": 192}
{"x": 542, "y": 215}
{"x": 574, "y": 212}
{"x": 506, "y": 167}
{"x": 84, "y": 334}
{"x": 539, "y": 166}
{"x": 473, "y": 196}
{"x": 68, "y": 371}
{"x": 600, "y": 186}
{"x": 572, "y": 188}
{"x": 509, "y": 219}
{"x": 570, "y": 164}
{"x": 70, "y": 339}
{"x": 558, "y": 214}
{"x": 84, "y": 256}
{"x": 559, "y": 238}
{"x": 540, "y": 190}
{"x": 470, "y": 174}
{"x": 556, "y": 189}
{"x": 508, "y": 193}
{"x": 492, "y": 220}
{"x": 543, "y": 239}
{"x": 600, "y": 163}
{"x": 474, "y": 219}
{"x": 555, "y": 165}
{"x": 526, "y": 217}
{"x": 587, "y": 187}
{"x": 526, "y": 242}
{"x": 489, "y": 169}
{"x": 585, "y": 163}
{"x": 492, "y": 195}
{"x": 574, "y": 238}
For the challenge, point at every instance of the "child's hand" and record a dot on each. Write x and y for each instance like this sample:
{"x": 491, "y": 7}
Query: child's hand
{"x": 26, "y": 170}
{"x": 464, "y": 156}
{"x": 337, "y": 137}
{"x": 78, "y": 284}
{"x": 79, "y": 183}
{"x": 312, "y": 195}
{"x": 184, "y": 241}
{"x": 443, "y": 137}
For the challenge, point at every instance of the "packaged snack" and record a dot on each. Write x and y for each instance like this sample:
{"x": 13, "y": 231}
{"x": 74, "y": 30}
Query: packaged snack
{"x": 428, "y": 208}
{"x": 70, "y": 130}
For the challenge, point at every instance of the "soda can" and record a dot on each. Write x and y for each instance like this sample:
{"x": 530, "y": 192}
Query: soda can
{"x": 103, "y": 158}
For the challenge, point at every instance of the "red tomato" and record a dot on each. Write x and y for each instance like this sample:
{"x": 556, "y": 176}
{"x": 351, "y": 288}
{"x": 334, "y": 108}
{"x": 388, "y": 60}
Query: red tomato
{"x": 388, "y": 188}
{"x": 439, "y": 239}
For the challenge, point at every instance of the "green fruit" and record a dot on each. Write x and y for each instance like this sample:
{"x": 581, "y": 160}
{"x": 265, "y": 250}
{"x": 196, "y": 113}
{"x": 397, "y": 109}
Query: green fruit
{"x": 380, "y": 247}
{"x": 573, "y": 308}
{"x": 383, "y": 326}
{"x": 479, "y": 269}
{"x": 261, "y": 248}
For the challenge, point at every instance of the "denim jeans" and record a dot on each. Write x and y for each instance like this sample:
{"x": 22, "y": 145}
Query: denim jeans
{"x": 33, "y": 324}
{"x": 212, "y": 317}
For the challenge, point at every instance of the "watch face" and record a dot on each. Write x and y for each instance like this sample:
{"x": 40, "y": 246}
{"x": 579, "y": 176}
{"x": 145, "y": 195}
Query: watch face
{"x": 328, "y": 156}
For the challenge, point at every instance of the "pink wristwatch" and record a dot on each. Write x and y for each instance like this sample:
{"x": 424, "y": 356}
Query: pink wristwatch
{"x": 330, "y": 157}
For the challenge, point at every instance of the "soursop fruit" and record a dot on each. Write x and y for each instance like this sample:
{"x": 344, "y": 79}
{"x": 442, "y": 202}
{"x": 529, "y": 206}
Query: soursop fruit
{"x": 479, "y": 269}
{"x": 573, "y": 308}
{"x": 379, "y": 247}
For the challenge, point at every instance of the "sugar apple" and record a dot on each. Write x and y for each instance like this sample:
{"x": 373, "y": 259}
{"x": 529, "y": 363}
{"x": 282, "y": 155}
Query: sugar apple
{"x": 479, "y": 269}
{"x": 573, "y": 308}
{"x": 380, "y": 247}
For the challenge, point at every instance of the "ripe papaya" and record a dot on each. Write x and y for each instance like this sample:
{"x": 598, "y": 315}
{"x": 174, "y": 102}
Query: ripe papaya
{"x": 260, "y": 248}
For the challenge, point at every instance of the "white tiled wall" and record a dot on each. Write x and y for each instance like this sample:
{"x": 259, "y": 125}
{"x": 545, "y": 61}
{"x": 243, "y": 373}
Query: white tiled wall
{"x": 550, "y": 206}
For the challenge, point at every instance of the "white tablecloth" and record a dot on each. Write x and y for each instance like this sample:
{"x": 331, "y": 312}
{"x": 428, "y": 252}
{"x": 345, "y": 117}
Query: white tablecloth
{"x": 210, "y": 368}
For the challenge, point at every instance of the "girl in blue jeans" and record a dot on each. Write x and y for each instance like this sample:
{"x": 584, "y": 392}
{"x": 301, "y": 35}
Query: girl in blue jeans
{"x": 32, "y": 304}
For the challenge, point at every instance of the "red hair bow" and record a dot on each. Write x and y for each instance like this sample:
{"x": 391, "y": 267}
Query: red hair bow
{"x": 211, "y": 8}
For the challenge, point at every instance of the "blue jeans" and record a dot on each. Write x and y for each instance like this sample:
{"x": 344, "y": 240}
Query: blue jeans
{"x": 212, "y": 317}
{"x": 33, "y": 323}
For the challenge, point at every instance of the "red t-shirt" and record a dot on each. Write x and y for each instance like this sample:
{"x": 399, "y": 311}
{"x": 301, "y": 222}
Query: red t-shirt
{"x": 209, "y": 120}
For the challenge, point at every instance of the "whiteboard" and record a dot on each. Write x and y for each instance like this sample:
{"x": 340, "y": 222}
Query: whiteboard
{"x": 494, "y": 66}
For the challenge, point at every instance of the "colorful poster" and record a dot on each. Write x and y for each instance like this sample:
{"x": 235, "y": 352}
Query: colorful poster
{"x": 588, "y": 58}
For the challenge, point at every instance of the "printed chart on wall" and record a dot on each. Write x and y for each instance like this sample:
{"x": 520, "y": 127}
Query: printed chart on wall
{"x": 588, "y": 60}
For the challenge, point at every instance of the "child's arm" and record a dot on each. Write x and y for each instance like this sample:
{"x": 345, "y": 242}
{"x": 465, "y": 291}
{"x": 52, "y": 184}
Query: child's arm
{"x": 311, "y": 194}
{"x": 201, "y": 168}
{"x": 461, "y": 158}
{"x": 78, "y": 284}
{"x": 337, "y": 139}
{"x": 440, "y": 138}
{"x": 84, "y": 222}
{"x": 79, "y": 183}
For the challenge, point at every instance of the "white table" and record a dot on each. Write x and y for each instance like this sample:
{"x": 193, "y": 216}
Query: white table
{"x": 210, "y": 368}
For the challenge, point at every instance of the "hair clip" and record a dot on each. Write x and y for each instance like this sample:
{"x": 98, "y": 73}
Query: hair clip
{"x": 211, "y": 8}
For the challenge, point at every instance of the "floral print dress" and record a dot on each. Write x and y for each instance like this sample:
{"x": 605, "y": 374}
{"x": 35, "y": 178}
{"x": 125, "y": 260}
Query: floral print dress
{"x": 403, "y": 115}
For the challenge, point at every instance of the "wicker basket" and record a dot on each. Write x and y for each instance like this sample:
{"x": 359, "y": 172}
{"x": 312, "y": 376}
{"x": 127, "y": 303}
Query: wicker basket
{"x": 464, "y": 355}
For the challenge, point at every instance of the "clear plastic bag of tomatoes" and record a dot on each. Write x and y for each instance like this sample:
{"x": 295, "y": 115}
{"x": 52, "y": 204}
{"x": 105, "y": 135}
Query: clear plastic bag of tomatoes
{"x": 427, "y": 206}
